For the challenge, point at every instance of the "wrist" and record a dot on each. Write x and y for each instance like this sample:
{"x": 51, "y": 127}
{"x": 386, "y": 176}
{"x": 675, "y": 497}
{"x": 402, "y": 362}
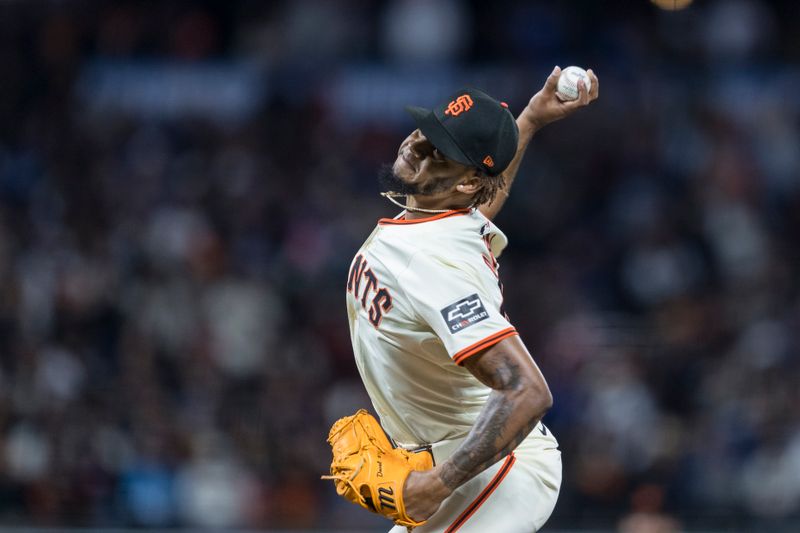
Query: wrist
{"x": 439, "y": 486}
{"x": 531, "y": 120}
{"x": 449, "y": 475}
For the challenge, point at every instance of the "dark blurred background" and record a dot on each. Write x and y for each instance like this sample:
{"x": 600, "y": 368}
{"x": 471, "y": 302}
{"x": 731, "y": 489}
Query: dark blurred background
{"x": 183, "y": 186}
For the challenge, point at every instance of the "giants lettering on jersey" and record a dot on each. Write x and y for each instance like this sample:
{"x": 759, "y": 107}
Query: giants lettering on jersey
{"x": 381, "y": 301}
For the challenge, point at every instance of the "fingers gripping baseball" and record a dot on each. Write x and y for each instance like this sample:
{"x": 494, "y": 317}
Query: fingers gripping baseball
{"x": 551, "y": 84}
{"x": 546, "y": 106}
{"x": 595, "y": 91}
{"x": 586, "y": 96}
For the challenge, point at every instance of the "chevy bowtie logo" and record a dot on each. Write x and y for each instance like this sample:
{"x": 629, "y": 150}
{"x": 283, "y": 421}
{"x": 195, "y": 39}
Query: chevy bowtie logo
{"x": 464, "y": 313}
{"x": 464, "y": 310}
{"x": 459, "y": 105}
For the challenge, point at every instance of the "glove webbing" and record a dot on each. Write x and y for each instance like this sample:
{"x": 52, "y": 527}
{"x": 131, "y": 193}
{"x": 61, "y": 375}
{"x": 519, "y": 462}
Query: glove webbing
{"x": 349, "y": 479}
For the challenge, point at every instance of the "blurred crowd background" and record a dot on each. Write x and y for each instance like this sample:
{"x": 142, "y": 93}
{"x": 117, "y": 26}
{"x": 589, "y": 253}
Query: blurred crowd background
{"x": 183, "y": 186}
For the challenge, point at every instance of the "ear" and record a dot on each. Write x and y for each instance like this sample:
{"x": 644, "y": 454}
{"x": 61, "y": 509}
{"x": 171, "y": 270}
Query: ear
{"x": 471, "y": 184}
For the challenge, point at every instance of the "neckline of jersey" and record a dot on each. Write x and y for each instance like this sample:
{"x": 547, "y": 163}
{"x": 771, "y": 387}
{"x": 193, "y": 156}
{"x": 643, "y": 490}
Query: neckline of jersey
{"x": 403, "y": 221}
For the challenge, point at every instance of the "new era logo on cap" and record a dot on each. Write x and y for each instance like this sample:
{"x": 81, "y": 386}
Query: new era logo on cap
{"x": 472, "y": 128}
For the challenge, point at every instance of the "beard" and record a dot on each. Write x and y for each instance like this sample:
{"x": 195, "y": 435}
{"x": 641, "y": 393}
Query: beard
{"x": 392, "y": 183}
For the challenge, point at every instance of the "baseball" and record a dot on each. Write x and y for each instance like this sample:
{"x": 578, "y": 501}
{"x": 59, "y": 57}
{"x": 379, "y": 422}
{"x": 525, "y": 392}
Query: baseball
{"x": 568, "y": 83}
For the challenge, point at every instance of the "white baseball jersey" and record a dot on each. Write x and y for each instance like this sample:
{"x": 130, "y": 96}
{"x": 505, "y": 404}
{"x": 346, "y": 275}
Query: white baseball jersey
{"x": 423, "y": 296}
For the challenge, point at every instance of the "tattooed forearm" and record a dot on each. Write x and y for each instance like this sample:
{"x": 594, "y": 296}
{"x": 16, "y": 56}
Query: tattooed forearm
{"x": 516, "y": 441}
{"x": 495, "y": 435}
{"x": 513, "y": 409}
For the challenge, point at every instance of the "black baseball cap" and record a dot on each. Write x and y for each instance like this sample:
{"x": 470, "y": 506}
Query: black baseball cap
{"x": 472, "y": 128}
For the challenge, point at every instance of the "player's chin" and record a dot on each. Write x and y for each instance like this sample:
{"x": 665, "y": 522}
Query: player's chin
{"x": 389, "y": 179}
{"x": 402, "y": 170}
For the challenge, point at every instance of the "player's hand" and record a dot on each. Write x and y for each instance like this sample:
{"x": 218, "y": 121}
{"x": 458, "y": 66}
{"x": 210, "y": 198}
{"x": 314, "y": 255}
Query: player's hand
{"x": 545, "y": 107}
{"x": 423, "y": 493}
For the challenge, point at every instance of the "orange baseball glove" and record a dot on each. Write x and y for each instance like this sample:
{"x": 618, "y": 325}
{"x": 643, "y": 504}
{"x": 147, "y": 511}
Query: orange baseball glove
{"x": 368, "y": 470}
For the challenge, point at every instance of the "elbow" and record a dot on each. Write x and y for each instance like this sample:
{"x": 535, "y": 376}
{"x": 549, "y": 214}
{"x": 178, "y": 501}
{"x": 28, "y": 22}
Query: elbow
{"x": 540, "y": 400}
{"x": 547, "y": 401}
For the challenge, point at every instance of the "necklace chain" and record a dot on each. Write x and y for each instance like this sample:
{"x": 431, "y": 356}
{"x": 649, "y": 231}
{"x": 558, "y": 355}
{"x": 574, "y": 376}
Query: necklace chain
{"x": 390, "y": 196}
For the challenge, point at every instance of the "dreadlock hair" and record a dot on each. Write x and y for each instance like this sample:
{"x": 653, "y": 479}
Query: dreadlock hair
{"x": 491, "y": 185}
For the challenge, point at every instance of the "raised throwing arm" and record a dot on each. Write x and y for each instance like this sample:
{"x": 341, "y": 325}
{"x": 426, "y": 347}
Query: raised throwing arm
{"x": 519, "y": 399}
{"x": 543, "y": 108}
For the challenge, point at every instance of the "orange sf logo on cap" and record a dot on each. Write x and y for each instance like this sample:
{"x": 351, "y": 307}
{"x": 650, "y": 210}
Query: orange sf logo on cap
{"x": 488, "y": 161}
{"x": 459, "y": 105}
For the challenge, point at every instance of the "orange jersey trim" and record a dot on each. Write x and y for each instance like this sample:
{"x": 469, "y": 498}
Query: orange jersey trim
{"x": 401, "y": 221}
{"x": 491, "y": 340}
{"x": 484, "y": 495}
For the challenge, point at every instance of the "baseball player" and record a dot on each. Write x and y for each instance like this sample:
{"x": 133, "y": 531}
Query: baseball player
{"x": 445, "y": 369}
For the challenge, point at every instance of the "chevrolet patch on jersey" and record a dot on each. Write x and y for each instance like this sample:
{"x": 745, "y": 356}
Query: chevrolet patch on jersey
{"x": 464, "y": 313}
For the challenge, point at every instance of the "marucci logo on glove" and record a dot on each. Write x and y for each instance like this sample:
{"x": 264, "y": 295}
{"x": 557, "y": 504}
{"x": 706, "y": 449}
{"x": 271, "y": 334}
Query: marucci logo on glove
{"x": 464, "y": 313}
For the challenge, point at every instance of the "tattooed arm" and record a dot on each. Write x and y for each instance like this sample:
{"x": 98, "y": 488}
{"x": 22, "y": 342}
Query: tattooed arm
{"x": 519, "y": 399}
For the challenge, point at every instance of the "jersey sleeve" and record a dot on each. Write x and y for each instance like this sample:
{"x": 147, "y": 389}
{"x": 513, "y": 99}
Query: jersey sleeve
{"x": 458, "y": 303}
